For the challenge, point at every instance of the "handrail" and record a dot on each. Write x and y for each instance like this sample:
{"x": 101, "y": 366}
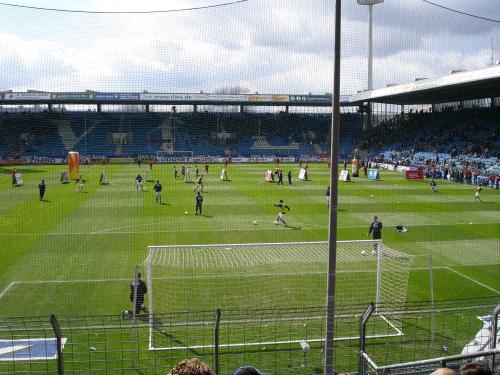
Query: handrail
{"x": 494, "y": 331}
{"x": 441, "y": 360}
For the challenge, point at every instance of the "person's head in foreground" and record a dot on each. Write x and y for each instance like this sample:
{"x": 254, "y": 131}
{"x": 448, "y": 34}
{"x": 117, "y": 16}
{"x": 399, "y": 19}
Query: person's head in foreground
{"x": 444, "y": 371}
{"x": 475, "y": 368}
{"x": 191, "y": 366}
{"x": 247, "y": 370}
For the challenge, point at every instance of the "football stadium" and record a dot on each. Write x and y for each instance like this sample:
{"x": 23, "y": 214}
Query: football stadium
{"x": 249, "y": 187}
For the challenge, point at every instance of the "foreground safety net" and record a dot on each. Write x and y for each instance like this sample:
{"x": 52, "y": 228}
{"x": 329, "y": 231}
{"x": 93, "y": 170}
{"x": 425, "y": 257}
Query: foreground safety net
{"x": 272, "y": 276}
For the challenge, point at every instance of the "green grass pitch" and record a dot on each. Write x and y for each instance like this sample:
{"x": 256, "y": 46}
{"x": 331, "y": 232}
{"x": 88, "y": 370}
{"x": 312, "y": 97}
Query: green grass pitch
{"x": 74, "y": 253}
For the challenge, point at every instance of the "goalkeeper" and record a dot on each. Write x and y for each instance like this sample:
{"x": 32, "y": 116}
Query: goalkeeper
{"x": 376, "y": 229}
{"x": 138, "y": 289}
{"x": 281, "y": 215}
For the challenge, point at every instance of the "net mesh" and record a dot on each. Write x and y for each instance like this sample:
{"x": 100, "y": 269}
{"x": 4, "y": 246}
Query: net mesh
{"x": 272, "y": 275}
{"x": 73, "y": 253}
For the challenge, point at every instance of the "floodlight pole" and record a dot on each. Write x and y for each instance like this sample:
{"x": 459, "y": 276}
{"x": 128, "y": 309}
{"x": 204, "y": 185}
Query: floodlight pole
{"x": 329, "y": 368}
{"x": 370, "y": 4}
{"x": 370, "y": 47}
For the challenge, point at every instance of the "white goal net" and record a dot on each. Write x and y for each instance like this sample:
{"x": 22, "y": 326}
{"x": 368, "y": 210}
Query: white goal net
{"x": 272, "y": 275}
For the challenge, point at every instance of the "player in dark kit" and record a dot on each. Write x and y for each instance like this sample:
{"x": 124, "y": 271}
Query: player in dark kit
{"x": 376, "y": 228}
{"x": 138, "y": 182}
{"x": 175, "y": 172}
{"x": 157, "y": 189}
{"x": 280, "y": 177}
{"x": 138, "y": 289}
{"x": 289, "y": 175}
{"x": 433, "y": 185}
{"x": 41, "y": 189}
{"x": 199, "y": 203}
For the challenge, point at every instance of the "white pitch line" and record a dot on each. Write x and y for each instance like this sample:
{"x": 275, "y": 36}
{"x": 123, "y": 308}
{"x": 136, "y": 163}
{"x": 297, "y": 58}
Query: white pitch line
{"x": 69, "y": 281}
{"x": 7, "y": 288}
{"x": 473, "y": 280}
{"x": 83, "y": 281}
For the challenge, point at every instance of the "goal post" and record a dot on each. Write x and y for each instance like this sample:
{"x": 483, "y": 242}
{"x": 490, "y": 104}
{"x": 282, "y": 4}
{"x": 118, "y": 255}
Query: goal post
{"x": 272, "y": 276}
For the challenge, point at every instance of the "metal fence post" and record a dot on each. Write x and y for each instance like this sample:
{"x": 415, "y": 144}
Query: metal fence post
{"x": 133, "y": 332}
{"x": 362, "y": 335}
{"x": 433, "y": 307}
{"x": 58, "y": 333}
{"x": 216, "y": 341}
{"x": 493, "y": 333}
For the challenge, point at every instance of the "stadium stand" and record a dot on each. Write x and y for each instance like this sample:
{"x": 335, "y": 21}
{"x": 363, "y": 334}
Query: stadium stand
{"x": 460, "y": 146}
{"x": 53, "y": 134}
{"x": 469, "y": 132}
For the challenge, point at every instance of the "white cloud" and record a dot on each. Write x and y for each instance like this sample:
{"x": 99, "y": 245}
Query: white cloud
{"x": 284, "y": 46}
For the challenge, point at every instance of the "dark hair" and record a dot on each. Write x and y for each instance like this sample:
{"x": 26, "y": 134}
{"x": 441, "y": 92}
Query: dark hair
{"x": 476, "y": 368}
{"x": 247, "y": 370}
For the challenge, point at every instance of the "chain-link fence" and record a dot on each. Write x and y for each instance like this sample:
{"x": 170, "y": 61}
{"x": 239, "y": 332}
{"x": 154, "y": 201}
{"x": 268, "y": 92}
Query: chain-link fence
{"x": 443, "y": 336}
{"x": 277, "y": 341}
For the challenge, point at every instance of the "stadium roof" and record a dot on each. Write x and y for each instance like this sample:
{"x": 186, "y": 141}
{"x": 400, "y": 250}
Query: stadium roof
{"x": 456, "y": 86}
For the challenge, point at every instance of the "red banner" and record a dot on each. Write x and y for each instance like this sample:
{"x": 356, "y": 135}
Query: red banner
{"x": 414, "y": 175}
{"x": 74, "y": 165}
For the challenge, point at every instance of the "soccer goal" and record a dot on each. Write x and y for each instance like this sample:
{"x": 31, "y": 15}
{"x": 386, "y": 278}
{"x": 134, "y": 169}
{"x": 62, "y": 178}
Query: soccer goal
{"x": 272, "y": 276}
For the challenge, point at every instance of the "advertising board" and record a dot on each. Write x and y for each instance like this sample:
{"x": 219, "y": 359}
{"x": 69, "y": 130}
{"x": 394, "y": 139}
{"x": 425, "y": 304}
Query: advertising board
{"x": 414, "y": 175}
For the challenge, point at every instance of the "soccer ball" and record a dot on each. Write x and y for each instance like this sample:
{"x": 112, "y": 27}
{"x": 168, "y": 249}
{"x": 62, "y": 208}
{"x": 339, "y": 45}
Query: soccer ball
{"x": 276, "y": 222}
{"x": 185, "y": 213}
{"x": 255, "y": 222}
{"x": 363, "y": 252}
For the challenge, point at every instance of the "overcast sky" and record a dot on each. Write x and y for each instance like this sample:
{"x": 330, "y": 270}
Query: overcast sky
{"x": 269, "y": 46}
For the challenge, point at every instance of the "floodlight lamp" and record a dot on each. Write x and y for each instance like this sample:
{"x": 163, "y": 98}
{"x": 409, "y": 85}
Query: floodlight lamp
{"x": 369, "y": 2}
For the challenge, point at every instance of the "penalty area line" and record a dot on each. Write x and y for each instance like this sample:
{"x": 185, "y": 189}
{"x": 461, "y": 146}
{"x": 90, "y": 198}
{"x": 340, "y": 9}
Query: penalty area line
{"x": 39, "y": 282}
{"x": 473, "y": 280}
{"x": 89, "y": 281}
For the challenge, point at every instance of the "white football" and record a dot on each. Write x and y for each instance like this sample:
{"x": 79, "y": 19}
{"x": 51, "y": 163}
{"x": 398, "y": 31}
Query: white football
{"x": 255, "y": 222}
{"x": 185, "y": 213}
{"x": 363, "y": 252}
